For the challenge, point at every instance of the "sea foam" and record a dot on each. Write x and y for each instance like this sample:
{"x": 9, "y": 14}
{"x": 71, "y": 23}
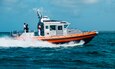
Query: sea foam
{"x": 10, "y": 42}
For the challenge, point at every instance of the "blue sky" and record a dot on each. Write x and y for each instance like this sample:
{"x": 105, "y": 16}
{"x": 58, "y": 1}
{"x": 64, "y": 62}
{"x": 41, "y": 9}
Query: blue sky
{"x": 82, "y": 14}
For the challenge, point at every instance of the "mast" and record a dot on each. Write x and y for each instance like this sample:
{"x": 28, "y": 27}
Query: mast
{"x": 40, "y": 25}
{"x": 39, "y": 15}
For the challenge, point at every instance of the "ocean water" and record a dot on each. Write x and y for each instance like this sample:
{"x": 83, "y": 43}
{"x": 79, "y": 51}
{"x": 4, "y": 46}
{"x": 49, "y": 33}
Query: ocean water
{"x": 98, "y": 54}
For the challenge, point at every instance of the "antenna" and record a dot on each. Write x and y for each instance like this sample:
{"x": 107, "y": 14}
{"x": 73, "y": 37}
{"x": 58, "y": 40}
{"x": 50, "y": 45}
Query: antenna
{"x": 38, "y": 11}
{"x": 39, "y": 14}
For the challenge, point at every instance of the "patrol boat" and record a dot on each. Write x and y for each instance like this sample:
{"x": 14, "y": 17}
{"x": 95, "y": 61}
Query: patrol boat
{"x": 56, "y": 32}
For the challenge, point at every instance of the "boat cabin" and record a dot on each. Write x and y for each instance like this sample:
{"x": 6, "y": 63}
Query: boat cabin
{"x": 53, "y": 27}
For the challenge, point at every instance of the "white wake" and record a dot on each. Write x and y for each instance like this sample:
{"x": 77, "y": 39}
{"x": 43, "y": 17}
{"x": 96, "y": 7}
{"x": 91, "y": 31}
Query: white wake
{"x": 9, "y": 42}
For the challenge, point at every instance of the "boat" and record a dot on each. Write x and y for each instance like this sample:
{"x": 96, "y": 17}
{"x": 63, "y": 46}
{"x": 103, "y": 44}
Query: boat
{"x": 56, "y": 32}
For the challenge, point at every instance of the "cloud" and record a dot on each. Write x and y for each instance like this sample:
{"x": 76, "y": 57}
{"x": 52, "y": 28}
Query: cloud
{"x": 65, "y": 6}
{"x": 72, "y": 3}
{"x": 13, "y": 5}
{"x": 110, "y": 1}
{"x": 90, "y": 1}
{"x": 65, "y": 3}
{"x": 72, "y": 6}
{"x": 9, "y": 2}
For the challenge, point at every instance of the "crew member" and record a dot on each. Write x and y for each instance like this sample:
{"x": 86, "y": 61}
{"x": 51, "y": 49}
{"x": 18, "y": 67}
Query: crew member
{"x": 39, "y": 30}
{"x": 25, "y": 27}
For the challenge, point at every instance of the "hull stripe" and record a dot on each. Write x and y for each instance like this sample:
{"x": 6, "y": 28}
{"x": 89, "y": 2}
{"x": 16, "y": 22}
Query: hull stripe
{"x": 69, "y": 39}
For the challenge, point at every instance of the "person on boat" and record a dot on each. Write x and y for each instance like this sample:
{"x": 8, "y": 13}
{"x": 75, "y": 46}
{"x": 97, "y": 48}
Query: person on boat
{"x": 39, "y": 31}
{"x": 25, "y": 27}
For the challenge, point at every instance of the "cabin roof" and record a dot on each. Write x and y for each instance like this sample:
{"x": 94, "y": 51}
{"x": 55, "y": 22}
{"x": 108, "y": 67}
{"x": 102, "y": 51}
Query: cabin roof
{"x": 55, "y": 21}
{"x": 52, "y": 21}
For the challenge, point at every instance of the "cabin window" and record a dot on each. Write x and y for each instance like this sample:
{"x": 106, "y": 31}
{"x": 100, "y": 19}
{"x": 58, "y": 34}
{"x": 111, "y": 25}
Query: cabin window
{"x": 59, "y": 27}
{"x": 65, "y": 26}
{"x": 52, "y": 27}
{"x": 46, "y": 27}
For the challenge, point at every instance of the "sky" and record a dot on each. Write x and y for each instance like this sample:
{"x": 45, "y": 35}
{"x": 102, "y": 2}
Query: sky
{"x": 85, "y": 15}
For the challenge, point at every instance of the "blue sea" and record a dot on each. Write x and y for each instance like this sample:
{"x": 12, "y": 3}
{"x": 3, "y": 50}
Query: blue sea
{"x": 98, "y": 54}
